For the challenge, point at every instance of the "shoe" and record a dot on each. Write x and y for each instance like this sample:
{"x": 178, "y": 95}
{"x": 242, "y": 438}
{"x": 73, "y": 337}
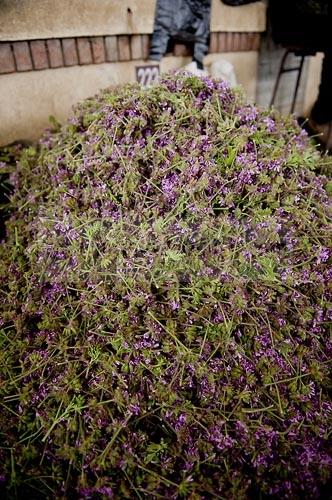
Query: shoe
{"x": 193, "y": 68}
{"x": 323, "y": 131}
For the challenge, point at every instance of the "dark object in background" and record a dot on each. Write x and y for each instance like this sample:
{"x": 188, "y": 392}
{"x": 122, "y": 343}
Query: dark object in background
{"x": 321, "y": 114}
{"x": 186, "y": 21}
{"x": 304, "y": 24}
{"x": 304, "y": 27}
{"x": 322, "y": 110}
{"x": 237, "y": 3}
{"x": 9, "y": 155}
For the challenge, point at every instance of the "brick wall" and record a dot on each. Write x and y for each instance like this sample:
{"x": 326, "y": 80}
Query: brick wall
{"x": 61, "y": 52}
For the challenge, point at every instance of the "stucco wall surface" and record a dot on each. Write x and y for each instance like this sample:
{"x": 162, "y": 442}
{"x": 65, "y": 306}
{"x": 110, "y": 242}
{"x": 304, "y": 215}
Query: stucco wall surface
{"x": 28, "y": 99}
{"x": 36, "y": 19}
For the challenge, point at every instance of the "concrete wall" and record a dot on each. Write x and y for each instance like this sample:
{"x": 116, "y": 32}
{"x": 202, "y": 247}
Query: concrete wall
{"x": 35, "y": 19}
{"x": 311, "y": 85}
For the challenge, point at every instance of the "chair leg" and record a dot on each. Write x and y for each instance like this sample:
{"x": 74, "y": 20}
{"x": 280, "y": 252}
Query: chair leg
{"x": 299, "y": 73}
{"x": 280, "y": 72}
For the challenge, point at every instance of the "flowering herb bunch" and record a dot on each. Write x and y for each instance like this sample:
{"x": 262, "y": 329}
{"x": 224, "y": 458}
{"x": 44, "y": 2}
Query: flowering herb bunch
{"x": 165, "y": 303}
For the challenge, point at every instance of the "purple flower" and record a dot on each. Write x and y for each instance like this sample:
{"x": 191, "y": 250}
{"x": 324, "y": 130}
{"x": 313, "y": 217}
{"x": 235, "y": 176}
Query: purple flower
{"x": 323, "y": 255}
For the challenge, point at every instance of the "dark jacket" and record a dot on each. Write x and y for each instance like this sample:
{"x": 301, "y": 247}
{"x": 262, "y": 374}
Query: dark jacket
{"x": 186, "y": 21}
{"x": 237, "y": 3}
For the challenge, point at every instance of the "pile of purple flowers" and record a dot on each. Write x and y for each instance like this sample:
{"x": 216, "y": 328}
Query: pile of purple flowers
{"x": 165, "y": 303}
